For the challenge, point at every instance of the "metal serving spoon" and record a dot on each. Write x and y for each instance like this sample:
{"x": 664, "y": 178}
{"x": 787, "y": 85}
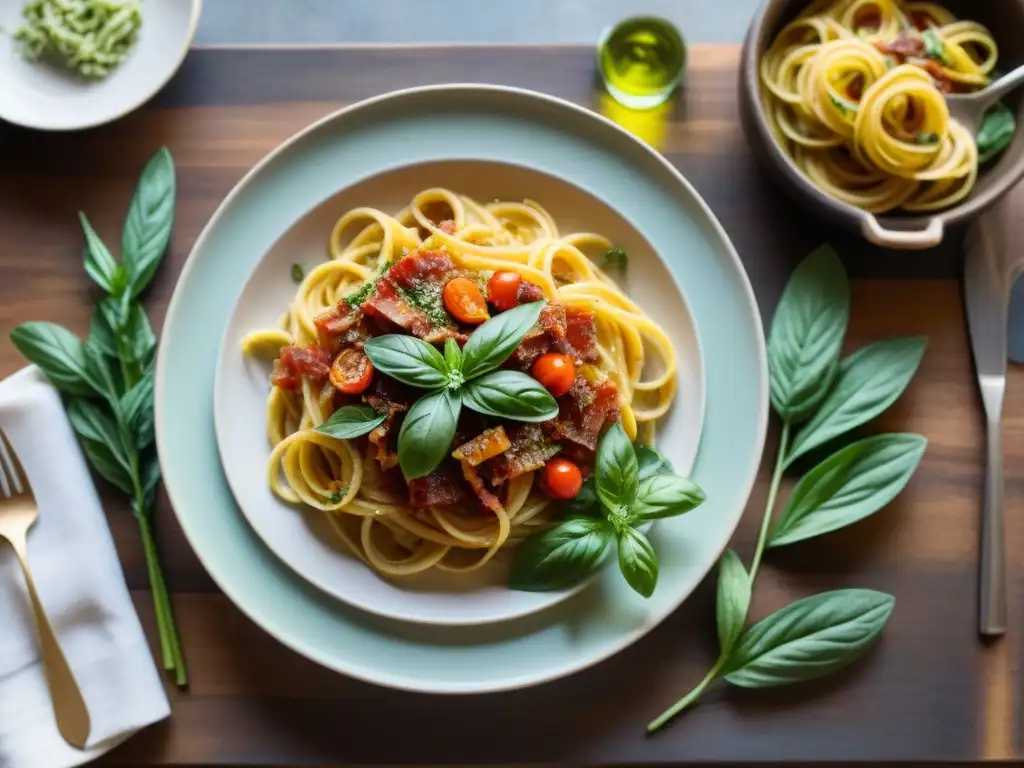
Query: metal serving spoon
{"x": 969, "y": 108}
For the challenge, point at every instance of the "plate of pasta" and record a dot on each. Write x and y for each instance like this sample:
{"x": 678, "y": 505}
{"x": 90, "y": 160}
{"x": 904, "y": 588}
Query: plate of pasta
{"x": 650, "y": 241}
{"x": 852, "y": 99}
{"x": 418, "y": 374}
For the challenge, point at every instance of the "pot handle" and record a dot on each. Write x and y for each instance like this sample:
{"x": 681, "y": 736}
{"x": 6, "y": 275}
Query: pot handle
{"x": 906, "y": 240}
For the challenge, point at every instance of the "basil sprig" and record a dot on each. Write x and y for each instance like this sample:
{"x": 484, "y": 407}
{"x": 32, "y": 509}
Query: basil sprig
{"x": 107, "y": 381}
{"x": 607, "y": 512}
{"x": 460, "y": 377}
{"x": 827, "y": 397}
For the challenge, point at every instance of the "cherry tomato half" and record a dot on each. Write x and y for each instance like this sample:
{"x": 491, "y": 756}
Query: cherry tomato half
{"x": 352, "y": 372}
{"x": 464, "y": 301}
{"x": 562, "y": 479}
{"x": 503, "y": 290}
{"x": 555, "y": 371}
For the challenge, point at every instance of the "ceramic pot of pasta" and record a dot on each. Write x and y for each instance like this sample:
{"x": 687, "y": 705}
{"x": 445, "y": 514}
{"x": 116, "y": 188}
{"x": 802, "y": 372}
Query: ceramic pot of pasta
{"x": 847, "y": 103}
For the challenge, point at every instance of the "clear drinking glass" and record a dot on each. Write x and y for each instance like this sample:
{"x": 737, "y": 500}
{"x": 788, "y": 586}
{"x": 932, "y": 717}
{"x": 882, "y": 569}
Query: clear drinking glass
{"x": 641, "y": 60}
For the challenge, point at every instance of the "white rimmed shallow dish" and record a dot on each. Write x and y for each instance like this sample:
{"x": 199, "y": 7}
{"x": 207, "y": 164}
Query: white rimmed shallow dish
{"x": 303, "y": 538}
{"x": 38, "y": 94}
{"x": 428, "y": 124}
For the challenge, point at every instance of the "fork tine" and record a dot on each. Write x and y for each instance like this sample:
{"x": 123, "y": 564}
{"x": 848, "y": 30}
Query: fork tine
{"x": 12, "y": 475}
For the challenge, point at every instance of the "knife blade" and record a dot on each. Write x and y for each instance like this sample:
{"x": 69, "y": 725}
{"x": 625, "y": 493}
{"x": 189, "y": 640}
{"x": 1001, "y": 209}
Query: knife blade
{"x": 986, "y": 298}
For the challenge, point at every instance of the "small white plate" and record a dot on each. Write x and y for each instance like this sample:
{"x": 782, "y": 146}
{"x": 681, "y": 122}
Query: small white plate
{"x": 303, "y": 538}
{"x": 43, "y": 95}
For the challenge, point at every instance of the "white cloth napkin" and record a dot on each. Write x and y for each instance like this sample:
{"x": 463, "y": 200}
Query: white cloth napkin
{"x": 82, "y": 587}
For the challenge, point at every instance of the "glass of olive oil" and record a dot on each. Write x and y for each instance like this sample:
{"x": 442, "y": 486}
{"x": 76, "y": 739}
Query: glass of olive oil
{"x": 641, "y": 60}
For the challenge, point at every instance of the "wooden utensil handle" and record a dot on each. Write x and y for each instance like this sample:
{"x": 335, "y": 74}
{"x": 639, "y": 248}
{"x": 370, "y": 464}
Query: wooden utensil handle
{"x": 992, "y": 602}
{"x": 68, "y": 705}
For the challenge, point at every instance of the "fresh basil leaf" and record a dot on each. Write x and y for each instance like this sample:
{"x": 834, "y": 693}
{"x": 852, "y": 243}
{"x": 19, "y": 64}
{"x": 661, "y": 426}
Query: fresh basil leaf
{"x": 97, "y": 367}
{"x": 352, "y": 421}
{"x": 848, "y": 486}
{"x": 492, "y": 342}
{"x": 99, "y": 263}
{"x": 665, "y": 495}
{"x": 101, "y": 334}
{"x": 60, "y": 355}
{"x": 807, "y": 334}
{"x": 585, "y": 502}
{"x": 410, "y": 360}
{"x": 561, "y": 556}
{"x": 427, "y": 432}
{"x": 616, "y": 469}
{"x": 139, "y": 338}
{"x": 616, "y": 258}
{"x": 733, "y": 599}
{"x": 101, "y": 440}
{"x": 934, "y": 48}
{"x": 869, "y": 381}
{"x": 650, "y": 462}
{"x": 510, "y": 395}
{"x": 452, "y": 355}
{"x": 638, "y": 561}
{"x": 996, "y": 132}
{"x": 147, "y": 230}
{"x": 810, "y": 638}
{"x": 137, "y": 407}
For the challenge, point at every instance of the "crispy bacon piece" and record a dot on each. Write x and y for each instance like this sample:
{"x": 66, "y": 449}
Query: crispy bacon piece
{"x": 529, "y": 451}
{"x": 341, "y": 326}
{"x": 529, "y": 292}
{"x": 298, "y": 361}
{"x": 488, "y": 499}
{"x": 484, "y": 446}
{"x": 393, "y": 398}
{"x": 440, "y": 488}
{"x": 544, "y": 337}
{"x": 904, "y": 45}
{"x": 584, "y": 412}
{"x": 419, "y": 273}
{"x": 581, "y": 333}
{"x": 934, "y": 69}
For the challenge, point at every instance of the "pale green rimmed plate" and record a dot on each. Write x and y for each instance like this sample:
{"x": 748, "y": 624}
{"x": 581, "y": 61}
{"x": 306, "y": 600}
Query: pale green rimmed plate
{"x": 434, "y": 124}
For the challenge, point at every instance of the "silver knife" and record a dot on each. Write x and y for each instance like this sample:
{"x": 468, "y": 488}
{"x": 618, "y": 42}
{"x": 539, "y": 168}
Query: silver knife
{"x": 987, "y": 281}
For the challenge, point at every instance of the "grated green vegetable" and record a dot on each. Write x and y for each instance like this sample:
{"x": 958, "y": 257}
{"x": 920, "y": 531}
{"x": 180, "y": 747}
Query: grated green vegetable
{"x": 89, "y": 36}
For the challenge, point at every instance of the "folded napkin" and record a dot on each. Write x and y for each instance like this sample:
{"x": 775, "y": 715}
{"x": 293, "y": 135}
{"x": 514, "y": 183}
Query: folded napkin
{"x": 81, "y": 585}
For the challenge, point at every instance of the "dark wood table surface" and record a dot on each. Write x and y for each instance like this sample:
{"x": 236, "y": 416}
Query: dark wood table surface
{"x": 929, "y": 691}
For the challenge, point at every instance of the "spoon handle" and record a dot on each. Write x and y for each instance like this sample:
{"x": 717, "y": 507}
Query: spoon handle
{"x": 1002, "y": 86}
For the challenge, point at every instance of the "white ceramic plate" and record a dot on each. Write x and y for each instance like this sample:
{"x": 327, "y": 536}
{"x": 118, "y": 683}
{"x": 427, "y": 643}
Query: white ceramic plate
{"x": 302, "y": 537}
{"x": 41, "y": 95}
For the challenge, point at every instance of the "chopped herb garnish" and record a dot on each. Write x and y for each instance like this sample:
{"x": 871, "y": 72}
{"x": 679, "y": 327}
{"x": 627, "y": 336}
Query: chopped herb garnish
{"x": 844, "y": 107}
{"x": 926, "y": 138}
{"x": 298, "y": 272}
{"x": 615, "y": 257}
{"x": 934, "y": 48}
{"x": 363, "y": 292}
{"x": 426, "y": 296}
{"x": 338, "y": 495}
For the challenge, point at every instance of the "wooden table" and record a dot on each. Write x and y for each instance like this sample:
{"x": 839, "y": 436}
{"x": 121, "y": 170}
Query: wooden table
{"x": 929, "y": 691}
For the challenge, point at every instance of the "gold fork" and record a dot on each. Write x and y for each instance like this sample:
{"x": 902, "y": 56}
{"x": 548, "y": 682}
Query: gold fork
{"x": 18, "y": 512}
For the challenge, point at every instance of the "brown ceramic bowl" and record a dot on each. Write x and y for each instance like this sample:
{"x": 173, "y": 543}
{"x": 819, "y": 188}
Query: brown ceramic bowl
{"x": 1005, "y": 18}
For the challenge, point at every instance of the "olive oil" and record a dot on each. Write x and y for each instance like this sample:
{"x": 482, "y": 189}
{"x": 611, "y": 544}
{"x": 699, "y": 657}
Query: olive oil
{"x": 641, "y": 61}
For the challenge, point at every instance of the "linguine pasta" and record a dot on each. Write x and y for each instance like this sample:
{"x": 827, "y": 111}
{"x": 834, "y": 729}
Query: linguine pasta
{"x": 853, "y": 91}
{"x": 343, "y": 479}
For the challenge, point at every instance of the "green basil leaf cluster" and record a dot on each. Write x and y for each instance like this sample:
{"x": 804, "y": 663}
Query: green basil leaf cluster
{"x": 996, "y": 131}
{"x": 819, "y": 397}
{"x": 107, "y": 380}
{"x": 352, "y": 421}
{"x": 460, "y": 377}
{"x": 630, "y": 487}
